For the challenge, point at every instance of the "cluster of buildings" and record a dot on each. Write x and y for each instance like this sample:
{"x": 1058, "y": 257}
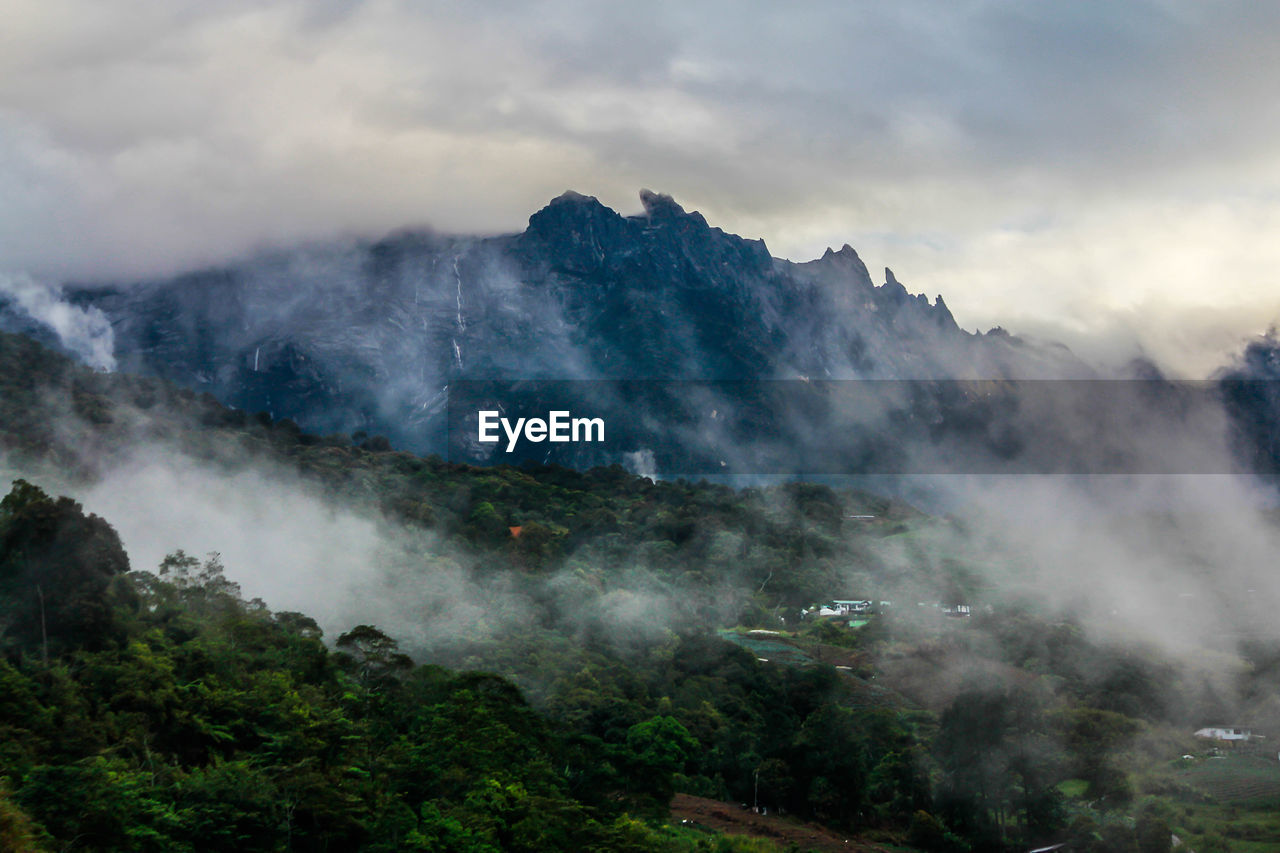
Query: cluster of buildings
{"x": 842, "y": 607}
{"x": 865, "y": 607}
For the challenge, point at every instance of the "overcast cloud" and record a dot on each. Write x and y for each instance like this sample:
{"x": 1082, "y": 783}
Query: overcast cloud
{"x": 1100, "y": 172}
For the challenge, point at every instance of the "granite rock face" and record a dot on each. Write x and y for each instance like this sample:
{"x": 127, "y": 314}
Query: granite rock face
{"x": 367, "y": 335}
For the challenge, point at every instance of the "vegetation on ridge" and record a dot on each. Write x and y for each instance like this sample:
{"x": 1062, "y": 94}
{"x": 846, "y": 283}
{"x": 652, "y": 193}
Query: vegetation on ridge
{"x": 162, "y": 711}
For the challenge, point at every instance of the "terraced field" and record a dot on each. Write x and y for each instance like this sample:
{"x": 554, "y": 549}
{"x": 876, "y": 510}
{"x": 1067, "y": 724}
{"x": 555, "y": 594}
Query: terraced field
{"x": 768, "y": 647}
{"x": 1241, "y": 780}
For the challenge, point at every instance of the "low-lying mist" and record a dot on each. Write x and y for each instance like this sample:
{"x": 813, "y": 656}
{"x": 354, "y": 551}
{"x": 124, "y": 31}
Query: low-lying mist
{"x": 283, "y": 540}
{"x": 1177, "y": 564}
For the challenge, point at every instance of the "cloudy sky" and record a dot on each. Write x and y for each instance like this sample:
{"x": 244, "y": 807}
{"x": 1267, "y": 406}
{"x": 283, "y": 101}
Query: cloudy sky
{"x": 1105, "y": 173}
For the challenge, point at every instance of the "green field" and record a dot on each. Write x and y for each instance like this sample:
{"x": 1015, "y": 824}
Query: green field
{"x": 1242, "y": 805}
{"x": 769, "y": 648}
{"x": 1245, "y": 780}
{"x": 1073, "y": 788}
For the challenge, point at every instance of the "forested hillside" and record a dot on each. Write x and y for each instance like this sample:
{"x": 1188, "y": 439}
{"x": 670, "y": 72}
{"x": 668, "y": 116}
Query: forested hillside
{"x": 642, "y": 638}
{"x": 78, "y": 424}
{"x": 162, "y": 712}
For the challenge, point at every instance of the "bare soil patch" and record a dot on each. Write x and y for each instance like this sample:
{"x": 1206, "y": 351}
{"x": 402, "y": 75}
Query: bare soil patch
{"x": 733, "y": 819}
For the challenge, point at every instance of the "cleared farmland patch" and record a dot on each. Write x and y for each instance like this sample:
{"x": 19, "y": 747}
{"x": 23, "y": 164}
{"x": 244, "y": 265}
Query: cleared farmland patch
{"x": 1240, "y": 779}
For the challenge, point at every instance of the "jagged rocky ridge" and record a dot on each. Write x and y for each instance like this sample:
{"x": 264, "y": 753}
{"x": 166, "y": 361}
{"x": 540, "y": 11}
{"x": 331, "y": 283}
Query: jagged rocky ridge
{"x": 368, "y": 335}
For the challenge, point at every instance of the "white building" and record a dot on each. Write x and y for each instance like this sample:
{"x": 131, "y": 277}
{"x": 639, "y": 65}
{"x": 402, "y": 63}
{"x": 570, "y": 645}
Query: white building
{"x": 1224, "y": 733}
{"x": 845, "y": 608}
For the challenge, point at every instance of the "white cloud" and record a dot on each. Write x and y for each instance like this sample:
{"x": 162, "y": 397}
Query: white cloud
{"x": 85, "y": 331}
{"x": 1036, "y": 163}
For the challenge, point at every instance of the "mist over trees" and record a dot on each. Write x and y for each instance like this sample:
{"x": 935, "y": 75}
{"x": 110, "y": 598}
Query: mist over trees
{"x": 539, "y": 658}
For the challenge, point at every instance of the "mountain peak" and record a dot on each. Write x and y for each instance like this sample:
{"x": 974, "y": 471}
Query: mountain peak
{"x": 845, "y": 252}
{"x": 658, "y": 204}
{"x": 573, "y": 197}
{"x": 574, "y": 229}
{"x": 943, "y": 314}
{"x": 570, "y": 209}
{"x": 845, "y": 255}
{"x": 662, "y": 208}
{"x": 846, "y": 262}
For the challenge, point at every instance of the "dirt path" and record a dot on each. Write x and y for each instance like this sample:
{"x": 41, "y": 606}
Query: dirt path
{"x": 733, "y": 819}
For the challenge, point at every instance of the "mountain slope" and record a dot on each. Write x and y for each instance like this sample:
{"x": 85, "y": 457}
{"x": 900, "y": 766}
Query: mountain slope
{"x": 366, "y": 336}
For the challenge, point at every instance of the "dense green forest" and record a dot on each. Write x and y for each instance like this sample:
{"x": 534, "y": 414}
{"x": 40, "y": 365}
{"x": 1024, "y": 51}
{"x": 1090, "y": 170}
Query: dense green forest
{"x": 162, "y": 712}
{"x": 153, "y": 708}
